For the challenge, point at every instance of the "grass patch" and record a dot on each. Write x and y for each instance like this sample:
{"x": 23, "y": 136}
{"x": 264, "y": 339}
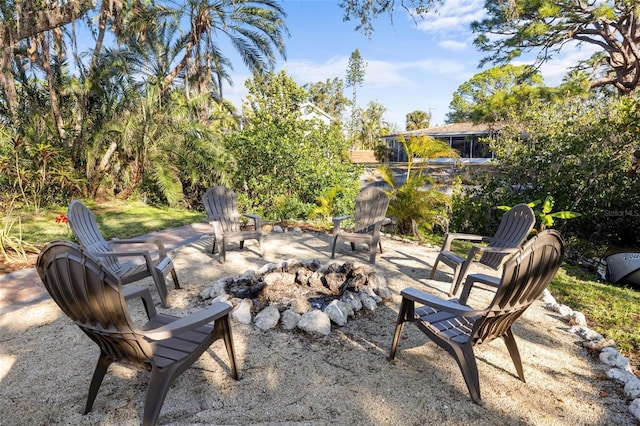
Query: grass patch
{"x": 115, "y": 219}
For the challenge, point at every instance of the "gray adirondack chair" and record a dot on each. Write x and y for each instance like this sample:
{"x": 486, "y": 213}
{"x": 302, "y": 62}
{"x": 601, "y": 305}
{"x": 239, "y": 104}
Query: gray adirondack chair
{"x": 221, "y": 205}
{"x": 515, "y": 226}
{"x": 369, "y": 216}
{"x": 112, "y": 253}
{"x": 94, "y": 299}
{"x": 458, "y": 328}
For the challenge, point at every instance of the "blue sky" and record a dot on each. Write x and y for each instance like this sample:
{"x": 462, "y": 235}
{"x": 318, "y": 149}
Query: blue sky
{"x": 410, "y": 65}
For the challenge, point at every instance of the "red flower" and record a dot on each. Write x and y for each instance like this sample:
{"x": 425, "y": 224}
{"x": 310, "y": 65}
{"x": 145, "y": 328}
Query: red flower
{"x": 62, "y": 218}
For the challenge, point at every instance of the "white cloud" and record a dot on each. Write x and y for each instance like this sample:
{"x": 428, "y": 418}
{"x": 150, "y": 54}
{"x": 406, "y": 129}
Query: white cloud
{"x": 454, "y": 15}
{"x": 452, "y": 45}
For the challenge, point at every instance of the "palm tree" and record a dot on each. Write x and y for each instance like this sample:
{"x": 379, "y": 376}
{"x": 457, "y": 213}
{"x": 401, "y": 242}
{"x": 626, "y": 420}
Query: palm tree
{"x": 255, "y": 28}
{"x": 418, "y": 120}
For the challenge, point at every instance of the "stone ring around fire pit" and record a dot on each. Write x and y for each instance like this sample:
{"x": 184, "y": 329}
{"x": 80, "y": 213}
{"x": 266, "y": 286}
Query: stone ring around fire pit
{"x": 301, "y": 294}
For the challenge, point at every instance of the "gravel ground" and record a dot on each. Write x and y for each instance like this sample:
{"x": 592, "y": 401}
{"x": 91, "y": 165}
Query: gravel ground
{"x": 291, "y": 378}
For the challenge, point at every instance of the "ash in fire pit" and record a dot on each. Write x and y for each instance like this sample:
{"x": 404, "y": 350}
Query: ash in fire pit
{"x": 301, "y": 294}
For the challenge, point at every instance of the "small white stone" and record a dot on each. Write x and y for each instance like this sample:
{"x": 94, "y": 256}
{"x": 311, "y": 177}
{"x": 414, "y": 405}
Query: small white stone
{"x": 242, "y": 312}
{"x": 267, "y": 318}
{"x": 611, "y": 356}
{"x": 632, "y": 388}
{"x": 634, "y": 408}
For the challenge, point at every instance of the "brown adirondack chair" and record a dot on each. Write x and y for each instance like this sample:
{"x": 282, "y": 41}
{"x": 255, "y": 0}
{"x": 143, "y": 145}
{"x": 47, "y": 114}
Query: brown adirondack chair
{"x": 221, "y": 205}
{"x": 109, "y": 253}
{"x": 94, "y": 299}
{"x": 457, "y": 328}
{"x": 369, "y": 216}
{"x": 515, "y": 226}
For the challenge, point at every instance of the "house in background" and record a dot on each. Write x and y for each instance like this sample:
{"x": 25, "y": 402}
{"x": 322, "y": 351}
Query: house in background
{"x": 310, "y": 111}
{"x": 465, "y": 137}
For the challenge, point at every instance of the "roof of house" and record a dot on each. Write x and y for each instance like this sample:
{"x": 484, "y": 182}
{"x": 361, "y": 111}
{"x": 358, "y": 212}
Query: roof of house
{"x": 453, "y": 129}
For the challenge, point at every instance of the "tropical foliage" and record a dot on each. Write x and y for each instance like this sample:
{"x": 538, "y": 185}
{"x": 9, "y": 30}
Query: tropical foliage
{"x": 417, "y": 203}
{"x": 578, "y": 149}
{"x": 284, "y": 163}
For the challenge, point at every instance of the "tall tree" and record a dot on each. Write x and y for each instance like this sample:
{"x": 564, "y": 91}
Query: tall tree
{"x": 418, "y": 120}
{"x": 329, "y": 96}
{"x": 512, "y": 28}
{"x": 355, "y": 77}
{"x": 490, "y": 95}
{"x": 371, "y": 125}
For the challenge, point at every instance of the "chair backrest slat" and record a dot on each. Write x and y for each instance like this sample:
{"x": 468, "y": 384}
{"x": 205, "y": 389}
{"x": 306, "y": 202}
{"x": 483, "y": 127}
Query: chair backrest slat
{"x": 91, "y": 297}
{"x": 515, "y": 226}
{"x": 524, "y": 278}
{"x": 85, "y": 228}
{"x": 371, "y": 207}
{"x": 221, "y": 204}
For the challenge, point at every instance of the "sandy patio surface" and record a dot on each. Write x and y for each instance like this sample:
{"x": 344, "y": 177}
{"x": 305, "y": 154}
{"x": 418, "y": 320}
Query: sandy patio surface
{"x": 292, "y": 378}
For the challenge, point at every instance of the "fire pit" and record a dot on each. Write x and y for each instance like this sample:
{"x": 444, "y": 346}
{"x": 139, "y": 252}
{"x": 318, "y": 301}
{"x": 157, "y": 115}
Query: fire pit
{"x": 301, "y": 294}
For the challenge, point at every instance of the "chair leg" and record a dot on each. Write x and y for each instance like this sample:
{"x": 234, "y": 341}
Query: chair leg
{"x": 223, "y": 252}
{"x": 174, "y": 276}
{"x": 241, "y": 245}
{"x": 161, "y": 285}
{"x": 433, "y": 270}
{"x": 225, "y": 327}
{"x": 98, "y": 374}
{"x": 402, "y": 317}
{"x": 467, "y": 362}
{"x": 353, "y": 246}
{"x": 457, "y": 281}
{"x": 260, "y": 246}
{"x": 333, "y": 247}
{"x": 159, "y": 384}
{"x": 213, "y": 246}
{"x": 510, "y": 341}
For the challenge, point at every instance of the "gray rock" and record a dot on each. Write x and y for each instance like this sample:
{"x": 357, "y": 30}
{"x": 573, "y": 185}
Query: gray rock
{"x": 315, "y": 280}
{"x": 585, "y": 333}
{"x": 283, "y": 278}
{"x": 372, "y": 294}
{"x": 547, "y": 298}
{"x": 289, "y": 319}
{"x": 218, "y": 287}
{"x": 315, "y": 322}
{"x": 599, "y": 344}
{"x": 278, "y": 229}
{"x": 300, "y": 306}
{"x": 367, "y": 301}
{"x": 220, "y": 298}
{"x": 352, "y": 300}
{"x": 577, "y": 318}
{"x": 613, "y": 358}
{"x": 242, "y": 312}
{"x": 634, "y": 408}
{"x": 269, "y": 267}
{"x": 267, "y": 318}
{"x": 620, "y": 376}
{"x": 563, "y": 310}
{"x": 632, "y": 389}
{"x": 337, "y": 312}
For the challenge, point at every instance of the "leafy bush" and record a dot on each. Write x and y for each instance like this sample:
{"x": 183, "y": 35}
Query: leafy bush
{"x": 578, "y": 150}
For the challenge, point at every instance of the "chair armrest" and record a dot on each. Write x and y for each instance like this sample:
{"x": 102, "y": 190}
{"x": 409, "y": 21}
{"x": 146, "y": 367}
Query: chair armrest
{"x": 479, "y": 249}
{"x": 436, "y": 302}
{"x": 472, "y": 279}
{"x": 257, "y": 220}
{"x": 135, "y": 291}
{"x": 195, "y": 320}
{"x": 450, "y": 237}
{"x": 337, "y": 221}
{"x": 133, "y": 241}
